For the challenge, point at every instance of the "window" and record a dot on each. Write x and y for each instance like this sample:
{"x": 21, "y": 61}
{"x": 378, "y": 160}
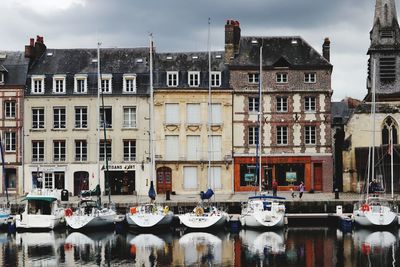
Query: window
{"x": 80, "y": 150}
{"x": 190, "y": 177}
{"x": 216, "y": 118}
{"x": 310, "y": 77}
{"x": 9, "y": 109}
{"x": 171, "y": 147}
{"x": 37, "y": 151}
{"x": 129, "y": 83}
{"x": 172, "y": 113}
{"x": 254, "y": 103}
{"x": 193, "y": 113}
{"x": 253, "y": 78}
{"x": 59, "y": 84}
{"x": 281, "y": 104}
{"x": 389, "y": 131}
{"x": 59, "y": 117}
{"x": 106, "y": 85}
{"x": 193, "y": 151}
{"x": 281, "y": 78}
{"x": 309, "y": 135}
{"x": 59, "y": 180}
{"x": 105, "y": 148}
{"x": 387, "y": 69}
{"x": 59, "y": 150}
{"x": 253, "y": 135}
{"x": 1, "y": 78}
{"x": 80, "y": 84}
{"x": 81, "y": 117}
{"x": 10, "y": 141}
{"x": 129, "y": 150}
{"x": 38, "y": 118}
{"x": 282, "y": 135}
{"x": 129, "y": 117}
{"x": 309, "y": 104}
{"x": 215, "y": 179}
{"x": 172, "y": 78}
{"x": 215, "y": 79}
{"x": 37, "y": 86}
{"x": 48, "y": 180}
{"x": 194, "y": 78}
{"x": 106, "y": 117}
{"x": 216, "y": 147}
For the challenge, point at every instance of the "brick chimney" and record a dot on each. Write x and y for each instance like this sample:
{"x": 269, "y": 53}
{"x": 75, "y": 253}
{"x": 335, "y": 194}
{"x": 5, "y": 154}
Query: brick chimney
{"x": 326, "y": 49}
{"x": 35, "y": 49}
{"x": 232, "y": 39}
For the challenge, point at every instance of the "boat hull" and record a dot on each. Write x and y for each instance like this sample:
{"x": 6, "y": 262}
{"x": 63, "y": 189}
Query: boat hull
{"x": 194, "y": 221}
{"x": 149, "y": 220}
{"x": 4, "y": 216}
{"x": 87, "y": 221}
{"x": 372, "y": 219}
{"x": 262, "y": 219}
{"x": 33, "y": 221}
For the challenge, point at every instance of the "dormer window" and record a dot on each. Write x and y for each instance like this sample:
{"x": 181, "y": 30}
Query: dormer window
{"x": 194, "y": 78}
{"x": 59, "y": 84}
{"x": 80, "y": 84}
{"x": 129, "y": 85}
{"x": 37, "y": 85}
{"x": 172, "y": 78}
{"x": 106, "y": 85}
{"x": 215, "y": 79}
{"x": 1, "y": 78}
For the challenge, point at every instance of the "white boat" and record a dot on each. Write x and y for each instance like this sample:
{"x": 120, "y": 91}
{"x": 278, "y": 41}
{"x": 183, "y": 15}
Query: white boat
{"x": 150, "y": 215}
{"x": 204, "y": 215}
{"x": 199, "y": 247}
{"x": 260, "y": 242}
{"x": 89, "y": 215}
{"x": 42, "y": 210}
{"x": 5, "y": 210}
{"x": 5, "y": 213}
{"x": 374, "y": 209}
{"x": 263, "y": 212}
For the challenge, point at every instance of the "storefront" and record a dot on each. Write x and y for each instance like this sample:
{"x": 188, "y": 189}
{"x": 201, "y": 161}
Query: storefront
{"x": 121, "y": 178}
{"x": 48, "y": 177}
{"x": 289, "y": 172}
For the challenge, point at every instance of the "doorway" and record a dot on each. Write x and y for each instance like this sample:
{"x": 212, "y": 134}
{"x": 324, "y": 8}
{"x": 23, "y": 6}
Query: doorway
{"x": 318, "y": 176}
{"x": 81, "y": 182}
{"x": 164, "y": 179}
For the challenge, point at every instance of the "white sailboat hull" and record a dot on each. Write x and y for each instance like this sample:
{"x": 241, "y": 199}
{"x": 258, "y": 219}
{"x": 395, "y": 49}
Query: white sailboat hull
{"x": 207, "y": 220}
{"x": 262, "y": 219}
{"x": 102, "y": 218}
{"x": 385, "y": 217}
{"x": 149, "y": 220}
{"x": 4, "y": 215}
{"x": 34, "y": 221}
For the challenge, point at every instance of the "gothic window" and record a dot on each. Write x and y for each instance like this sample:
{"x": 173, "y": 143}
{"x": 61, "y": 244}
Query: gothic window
{"x": 389, "y": 129}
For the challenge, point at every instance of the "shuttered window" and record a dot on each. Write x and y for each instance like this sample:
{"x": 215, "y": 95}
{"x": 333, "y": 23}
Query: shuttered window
{"x": 193, "y": 147}
{"x": 171, "y": 147}
{"x": 189, "y": 177}
{"x": 215, "y": 178}
{"x": 215, "y": 147}
{"x": 172, "y": 113}
{"x": 216, "y": 117}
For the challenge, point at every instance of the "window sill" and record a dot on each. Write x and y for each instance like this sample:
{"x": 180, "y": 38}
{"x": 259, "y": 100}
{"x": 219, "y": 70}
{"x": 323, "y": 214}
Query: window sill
{"x": 37, "y": 130}
{"x": 80, "y": 129}
{"x": 129, "y": 128}
{"x": 59, "y": 129}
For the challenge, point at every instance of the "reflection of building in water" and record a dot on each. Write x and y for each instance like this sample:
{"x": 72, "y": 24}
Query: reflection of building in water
{"x": 203, "y": 248}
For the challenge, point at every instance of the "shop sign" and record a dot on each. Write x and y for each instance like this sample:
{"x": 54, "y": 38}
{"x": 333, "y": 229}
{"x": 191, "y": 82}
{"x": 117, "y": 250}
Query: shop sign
{"x": 119, "y": 167}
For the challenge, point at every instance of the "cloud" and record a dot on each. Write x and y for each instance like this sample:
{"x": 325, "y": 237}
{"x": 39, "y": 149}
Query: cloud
{"x": 44, "y": 7}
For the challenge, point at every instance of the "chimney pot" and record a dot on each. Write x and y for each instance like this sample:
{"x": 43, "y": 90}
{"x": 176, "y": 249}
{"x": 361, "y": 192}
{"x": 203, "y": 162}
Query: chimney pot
{"x": 326, "y": 49}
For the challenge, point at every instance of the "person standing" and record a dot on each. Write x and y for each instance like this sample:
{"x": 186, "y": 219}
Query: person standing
{"x": 301, "y": 189}
{"x": 274, "y": 188}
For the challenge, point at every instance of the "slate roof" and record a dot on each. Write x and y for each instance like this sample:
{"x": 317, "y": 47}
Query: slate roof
{"x": 14, "y": 66}
{"x": 189, "y": 61}
{"x": 292, "y": 50}
{"x": 341, "y": 112}
{"x": 115, "y": 61}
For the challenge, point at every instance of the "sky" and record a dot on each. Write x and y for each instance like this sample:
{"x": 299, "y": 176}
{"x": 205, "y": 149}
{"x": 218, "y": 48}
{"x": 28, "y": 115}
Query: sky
{"x": 182, "y": 26}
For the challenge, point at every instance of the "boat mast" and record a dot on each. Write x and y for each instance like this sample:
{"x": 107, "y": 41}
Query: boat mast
{"x": 371, "y": 154}
{"x": 98, "y": 117}
{"x": 4, "y": 170}
{"x": 152, "y": 148}
{"x": 260, "y": 115}
{"x": 391, "y": 159}
{"x": 209, "y": 107}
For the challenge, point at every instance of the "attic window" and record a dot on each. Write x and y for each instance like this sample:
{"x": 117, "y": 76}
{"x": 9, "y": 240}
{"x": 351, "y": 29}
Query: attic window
{"x": 195, "y": 57}
{"x": 1, "y": 78}
{"x": 139, "y": 60}
{"x": 387, "y": 69}
{"x": 254, "y": 41}
{"x": 3, "y": 56}
{"x": 169, "y": 57}
{"x": 218, "y": 56}
{"x": 386, "y": 34}
{"x": 294, "y": 42}
{"x": 50, "y": 54}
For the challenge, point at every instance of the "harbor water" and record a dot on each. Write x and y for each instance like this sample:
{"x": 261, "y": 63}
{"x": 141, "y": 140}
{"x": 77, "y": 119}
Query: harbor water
{"x": 292, "y": 246}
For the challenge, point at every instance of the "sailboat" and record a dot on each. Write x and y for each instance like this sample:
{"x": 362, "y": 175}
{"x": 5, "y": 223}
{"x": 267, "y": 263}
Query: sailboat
{"x": 90, "y": 213}
{"x": 5, "y": 209}
{"x": 204, "y": 215}
{"x": 374, "y": 208}
{"x": 260, "y": 210}
{"x": 150, "y": 215}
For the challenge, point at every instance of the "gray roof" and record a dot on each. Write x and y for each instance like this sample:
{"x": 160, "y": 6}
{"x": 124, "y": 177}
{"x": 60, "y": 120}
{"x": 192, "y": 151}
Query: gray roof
{"x": 290, "y": 51}
{"x": 14, "y": 66}
{"x": 115, "y": 61}
{"x": 189, "y": 61}
{"x": 341, "y": 112}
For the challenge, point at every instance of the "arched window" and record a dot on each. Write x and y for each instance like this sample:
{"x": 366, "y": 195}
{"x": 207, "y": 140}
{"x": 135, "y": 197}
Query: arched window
{"x": 389, "y": 128}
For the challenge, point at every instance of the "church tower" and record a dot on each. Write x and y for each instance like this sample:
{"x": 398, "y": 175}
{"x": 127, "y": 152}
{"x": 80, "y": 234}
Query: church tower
{"x": 385, "y": 50}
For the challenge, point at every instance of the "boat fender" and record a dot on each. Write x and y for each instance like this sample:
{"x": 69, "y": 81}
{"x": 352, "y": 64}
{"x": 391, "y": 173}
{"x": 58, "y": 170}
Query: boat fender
{"x": 199, "y": 211}
{"x": 68, "y": 212}
{"x": 365, "y": 207}
{"x": 166, "y": 209}
{"x": 132, "y": 210}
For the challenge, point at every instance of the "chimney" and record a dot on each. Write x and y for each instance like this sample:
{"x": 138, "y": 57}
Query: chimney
{"x": 326, "y": 49}
{"x": 29, "y": 52}
{"x": 35, "y": 49}
{"x": 232, "y": 39}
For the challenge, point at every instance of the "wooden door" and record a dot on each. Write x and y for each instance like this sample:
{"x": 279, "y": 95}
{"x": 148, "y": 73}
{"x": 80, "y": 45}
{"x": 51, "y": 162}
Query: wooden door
{"x": 164, "y": 179}
{"x": 318, "y": 176}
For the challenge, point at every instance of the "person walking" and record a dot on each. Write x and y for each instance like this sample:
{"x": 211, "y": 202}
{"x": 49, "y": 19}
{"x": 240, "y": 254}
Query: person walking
{"x": 301, "y": 189}
{"x": 274, "y": 188}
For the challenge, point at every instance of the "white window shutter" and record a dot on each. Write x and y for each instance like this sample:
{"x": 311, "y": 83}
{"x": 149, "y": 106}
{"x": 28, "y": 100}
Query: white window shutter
{"x": 171, "y": 147}
{"x": 193, "y": 147}
{"x": 193, "y": 113}
{"x": 190, "y": 177}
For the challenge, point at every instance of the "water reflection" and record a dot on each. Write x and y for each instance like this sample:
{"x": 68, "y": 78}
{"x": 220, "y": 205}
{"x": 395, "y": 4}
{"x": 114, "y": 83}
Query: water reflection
{"x": 201, "y": 247}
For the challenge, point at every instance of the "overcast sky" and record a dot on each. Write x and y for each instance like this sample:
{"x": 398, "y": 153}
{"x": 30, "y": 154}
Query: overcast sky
{"x": 181, "y": 25}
